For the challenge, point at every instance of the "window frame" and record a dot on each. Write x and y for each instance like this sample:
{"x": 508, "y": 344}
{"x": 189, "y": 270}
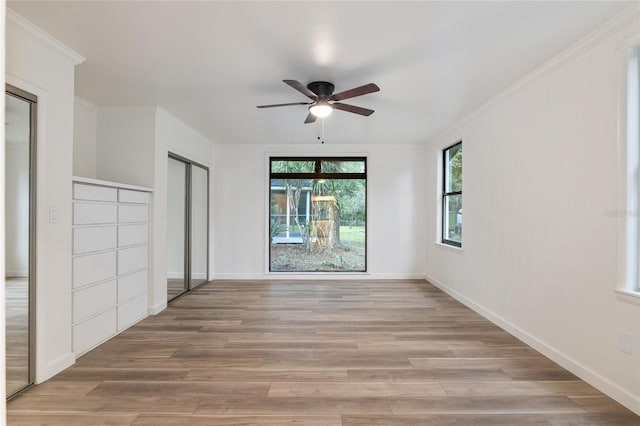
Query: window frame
{"x": 444, "y": 196}
{"x": 318, "y": 174}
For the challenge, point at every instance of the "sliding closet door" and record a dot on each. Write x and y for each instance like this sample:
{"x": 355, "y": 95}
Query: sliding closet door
{"x": 176, "y": 228}
{"x": 20, "y": 166}
{"x": 187, "y": 225}
{"x": 199, "y": 225}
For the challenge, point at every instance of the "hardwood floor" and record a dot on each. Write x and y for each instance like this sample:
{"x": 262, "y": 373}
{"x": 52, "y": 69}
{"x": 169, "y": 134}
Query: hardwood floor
{"x": 316, "y": 353}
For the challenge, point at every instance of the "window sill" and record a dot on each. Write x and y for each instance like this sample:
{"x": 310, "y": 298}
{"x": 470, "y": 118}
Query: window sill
{"x": 453, "y": 249}
{"x": 628, "y": 296}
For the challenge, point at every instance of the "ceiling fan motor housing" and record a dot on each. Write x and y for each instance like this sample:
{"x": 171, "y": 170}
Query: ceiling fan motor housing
{"x": 323, "y": 89}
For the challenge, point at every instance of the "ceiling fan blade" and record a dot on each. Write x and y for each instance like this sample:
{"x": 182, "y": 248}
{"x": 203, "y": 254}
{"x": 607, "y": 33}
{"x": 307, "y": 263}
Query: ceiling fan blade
{"x": 357, "y": 91}
{"x": 310, "y": 119}
{"x": 301, "y": 88}
{"x": 352, "y": 108}
{"x": 281, "y": 105}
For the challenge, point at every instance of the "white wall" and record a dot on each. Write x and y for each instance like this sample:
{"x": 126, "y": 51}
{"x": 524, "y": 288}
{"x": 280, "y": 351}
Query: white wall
{"x": 540, "y": 185}
{"x": 132, "y": 147}
{"x": 125, "y": 145}
{"x": 395, "y": 208}
{"x": 85, "y": 126}
{"x": 172, "y": 135}
{"x": 40, "y": 65}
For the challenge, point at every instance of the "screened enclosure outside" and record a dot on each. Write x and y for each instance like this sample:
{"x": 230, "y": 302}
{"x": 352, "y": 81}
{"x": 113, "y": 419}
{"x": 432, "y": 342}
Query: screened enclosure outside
{"x": 317, "y": 215}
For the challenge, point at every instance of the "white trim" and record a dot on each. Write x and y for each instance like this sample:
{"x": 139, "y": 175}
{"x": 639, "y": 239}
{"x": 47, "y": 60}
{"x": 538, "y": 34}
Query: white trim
{"x": 318, "y": 276}
{"x": 42, "y": 370}
{"x": 621, "y": 395}
{"x": 56, "y": 366}
{"x": 449, "y": 247}
{"x": 628, "y": 144}
{"x": 628, "y": 16}
{"x": 92, "y": 181}
{"x": 75, "y": 57}
{"x": 154, "y": 310}
{"x": 627, "y": 296}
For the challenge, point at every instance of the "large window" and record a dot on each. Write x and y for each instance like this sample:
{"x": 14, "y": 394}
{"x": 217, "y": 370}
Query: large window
{"x": 317, "y": 214}
{"x": 452, "y": 195}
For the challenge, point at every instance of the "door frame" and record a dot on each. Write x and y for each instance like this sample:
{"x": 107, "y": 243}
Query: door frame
{"x": 188, "y": 221}
{"x": 32, "y": 99}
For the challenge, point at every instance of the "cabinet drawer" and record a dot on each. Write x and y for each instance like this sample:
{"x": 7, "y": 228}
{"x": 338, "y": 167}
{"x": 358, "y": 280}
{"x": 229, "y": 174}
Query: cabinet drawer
{"x": 91, "y": 332}
{"x": 127, "y": 196}
{"x": 129, "y": 235}
{"x": 94, "y": 267}
{"x": 89, "y": 301}
{"x": 132, "y": 285}
{"x": 92, "y": 192}
{"x": 94, "y": 213}
{"x": 86, "y": 240}
{"x": 132, "y": 258}
{"x": 133, "y": 213}
{"x": 131, "y": 312}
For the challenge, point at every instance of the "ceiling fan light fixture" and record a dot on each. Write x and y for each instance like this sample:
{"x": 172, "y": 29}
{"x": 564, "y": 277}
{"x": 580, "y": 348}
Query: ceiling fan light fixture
{"x": 321, "y": 110}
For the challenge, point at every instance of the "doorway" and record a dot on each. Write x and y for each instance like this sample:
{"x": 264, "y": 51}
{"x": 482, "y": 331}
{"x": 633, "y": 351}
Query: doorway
{"x": 187, "y": 225}
{"x": 20, "y": 178}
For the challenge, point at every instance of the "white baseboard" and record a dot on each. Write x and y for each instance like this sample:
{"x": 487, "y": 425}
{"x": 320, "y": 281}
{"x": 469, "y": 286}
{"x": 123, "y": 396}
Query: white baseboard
{"x": 54, "y": 367}
{"x": 629, "y": 400}
{"x": 154, "y": 310}
{"x": 364, "y": 276}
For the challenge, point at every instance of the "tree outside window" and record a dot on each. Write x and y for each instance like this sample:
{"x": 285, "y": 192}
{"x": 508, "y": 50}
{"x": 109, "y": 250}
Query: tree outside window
{"x": 452, "y": 196}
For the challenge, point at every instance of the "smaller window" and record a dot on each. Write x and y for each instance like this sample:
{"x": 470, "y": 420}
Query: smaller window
{"x": 452, "y": 195}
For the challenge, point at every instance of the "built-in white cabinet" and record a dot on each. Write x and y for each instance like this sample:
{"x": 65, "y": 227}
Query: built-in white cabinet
{"x": 110, "y": 260}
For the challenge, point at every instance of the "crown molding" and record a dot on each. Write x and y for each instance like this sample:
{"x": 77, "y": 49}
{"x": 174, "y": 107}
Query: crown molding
{"x": 21, "y": 22}
{"x": 618, "y": 22}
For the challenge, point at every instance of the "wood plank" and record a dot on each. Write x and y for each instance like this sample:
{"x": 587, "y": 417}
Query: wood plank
{"x": 355, "y": 390}
{"x": 212, "y": 420}
{"x": 485, "y": 405}
{"x": 446, "y": 419}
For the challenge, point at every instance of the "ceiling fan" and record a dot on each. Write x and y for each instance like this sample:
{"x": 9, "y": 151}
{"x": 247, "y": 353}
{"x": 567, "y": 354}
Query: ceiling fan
{"x": 325, "y": 101}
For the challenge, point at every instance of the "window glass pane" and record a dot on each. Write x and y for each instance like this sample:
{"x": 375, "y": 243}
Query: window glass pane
{"x": 452, "y": 220}
{"x": 342, "y": 166}
{"x": 317, "y": 225}
{"x": 286, "y": 166}
{"x": 453, "y": 168}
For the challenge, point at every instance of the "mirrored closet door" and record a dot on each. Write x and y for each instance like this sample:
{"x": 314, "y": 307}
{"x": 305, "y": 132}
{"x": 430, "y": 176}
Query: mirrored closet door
{"x": 187, "y": 225}
{"x": 19, "y": 148}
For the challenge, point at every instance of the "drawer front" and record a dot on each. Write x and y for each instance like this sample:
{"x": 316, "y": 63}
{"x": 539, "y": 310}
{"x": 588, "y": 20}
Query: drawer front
{"x": 86, "y": 240}
{"x": 132, "y": 285}
{"x": 82, "y": 191}
{"x": 94, "y": 267}
{"x": 129, "y": 235}
{"x": 132, "y": 312}
{"x": 94, "y": 213}
{"x": 94, "y": 331}
{"x": 132, "y": 258}
{"x": 89, "y": 301}
{"x": 133, "y": 213}
{"x": 128, "y": 196}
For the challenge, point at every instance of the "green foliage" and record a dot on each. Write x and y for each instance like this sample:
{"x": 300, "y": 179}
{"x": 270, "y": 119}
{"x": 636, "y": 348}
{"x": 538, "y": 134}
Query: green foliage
{"x": 292, "y": 166}
{"x": 276, "y": 228}
{"x": 455, "y": 164}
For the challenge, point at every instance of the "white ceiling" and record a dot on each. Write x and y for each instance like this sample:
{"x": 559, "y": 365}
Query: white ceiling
{"x": 211, "y": 63}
